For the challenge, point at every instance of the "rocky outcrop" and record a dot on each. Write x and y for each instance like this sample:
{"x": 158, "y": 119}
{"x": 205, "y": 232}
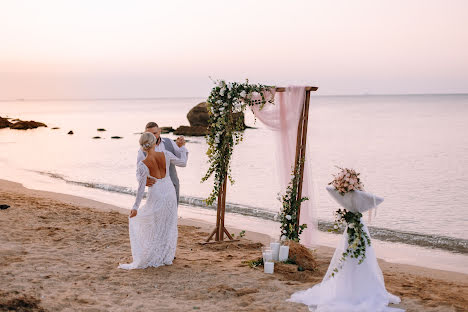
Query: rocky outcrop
{"x": 4, "y": 123}
{"x": 20, "y": 124}
{"x": 198, "y": 116}
{"x": 240, "y": 117}
{"x": 191, "y": 131}
{"x": 167, "y": 129}
{"x": 24, "y": 125}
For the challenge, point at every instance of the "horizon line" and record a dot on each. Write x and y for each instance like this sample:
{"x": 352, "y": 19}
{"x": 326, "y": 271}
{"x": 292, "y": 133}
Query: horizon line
{"x": 200, "y": 97}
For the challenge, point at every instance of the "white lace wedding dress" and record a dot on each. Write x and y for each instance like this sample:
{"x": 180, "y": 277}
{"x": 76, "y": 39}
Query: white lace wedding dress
{"x": 355, "y": 287}
{"x": 153, "y": 231}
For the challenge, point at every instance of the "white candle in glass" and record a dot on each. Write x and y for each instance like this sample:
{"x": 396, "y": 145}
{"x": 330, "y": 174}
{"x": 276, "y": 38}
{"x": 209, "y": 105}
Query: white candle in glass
{"x": 275, "y": 250}
{"x": 264, "y": 250}
{"x": 267, "y": 256}
{"x": 269, "y": 267}
{"x": 283, "y": 253}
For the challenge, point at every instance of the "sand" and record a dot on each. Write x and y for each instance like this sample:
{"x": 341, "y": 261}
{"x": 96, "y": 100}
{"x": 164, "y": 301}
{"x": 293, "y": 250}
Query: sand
{"x": 60, "y": 253}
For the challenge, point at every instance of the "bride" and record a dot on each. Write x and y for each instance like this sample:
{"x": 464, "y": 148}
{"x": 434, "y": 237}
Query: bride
{"x": 153, "y": 227}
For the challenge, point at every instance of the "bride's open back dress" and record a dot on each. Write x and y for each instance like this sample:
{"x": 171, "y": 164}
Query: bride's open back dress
{"x": 153, "y": 231}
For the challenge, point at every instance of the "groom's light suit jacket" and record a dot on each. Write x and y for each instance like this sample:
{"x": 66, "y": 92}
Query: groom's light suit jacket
{"x": 170, "y": 147}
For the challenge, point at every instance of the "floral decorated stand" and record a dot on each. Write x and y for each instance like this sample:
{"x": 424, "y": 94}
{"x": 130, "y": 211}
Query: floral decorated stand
{"x": 354, "y": 281}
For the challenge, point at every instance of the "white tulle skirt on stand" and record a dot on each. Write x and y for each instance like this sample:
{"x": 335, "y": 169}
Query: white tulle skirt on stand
{"x": 354, "y": 288}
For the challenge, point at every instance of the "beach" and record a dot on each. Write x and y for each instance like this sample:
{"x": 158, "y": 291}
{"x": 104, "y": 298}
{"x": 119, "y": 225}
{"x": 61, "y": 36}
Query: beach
{"x": 60, "y": 253}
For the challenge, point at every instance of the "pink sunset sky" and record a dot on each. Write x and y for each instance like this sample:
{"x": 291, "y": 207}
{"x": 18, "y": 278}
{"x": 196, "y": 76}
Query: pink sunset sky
{"x": 114, "y": 49}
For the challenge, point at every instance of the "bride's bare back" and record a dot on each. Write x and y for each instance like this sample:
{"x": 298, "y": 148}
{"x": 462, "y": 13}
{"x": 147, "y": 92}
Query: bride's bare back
{"x": 156, "y": 163}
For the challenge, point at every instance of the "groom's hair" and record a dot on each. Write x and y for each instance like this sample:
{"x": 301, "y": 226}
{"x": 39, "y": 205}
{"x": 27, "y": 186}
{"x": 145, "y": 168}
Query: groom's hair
{"x": 151, "y": 124}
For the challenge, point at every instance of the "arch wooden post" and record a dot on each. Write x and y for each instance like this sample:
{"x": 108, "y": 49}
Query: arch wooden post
{"x": 219, "y": 231}
{"x": 301, "y": 149}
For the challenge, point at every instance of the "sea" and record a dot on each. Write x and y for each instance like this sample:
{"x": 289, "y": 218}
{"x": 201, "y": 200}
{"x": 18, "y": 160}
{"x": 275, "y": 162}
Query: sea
{"x": 410, "y": 149}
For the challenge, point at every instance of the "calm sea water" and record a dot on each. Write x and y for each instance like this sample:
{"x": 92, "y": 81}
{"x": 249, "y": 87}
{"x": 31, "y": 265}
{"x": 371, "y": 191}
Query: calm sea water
{"x": 411, "y": 150}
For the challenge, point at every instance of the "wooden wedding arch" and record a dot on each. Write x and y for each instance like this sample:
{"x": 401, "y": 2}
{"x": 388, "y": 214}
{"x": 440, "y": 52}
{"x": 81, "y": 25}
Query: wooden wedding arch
{"x": 219, "y": 231}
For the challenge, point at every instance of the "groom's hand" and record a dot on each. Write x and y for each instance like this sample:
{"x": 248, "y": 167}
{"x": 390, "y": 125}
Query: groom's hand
{"x": 133, "y": 213}
{"x": 149, "y": 182}
{"x": 180, "y": 141}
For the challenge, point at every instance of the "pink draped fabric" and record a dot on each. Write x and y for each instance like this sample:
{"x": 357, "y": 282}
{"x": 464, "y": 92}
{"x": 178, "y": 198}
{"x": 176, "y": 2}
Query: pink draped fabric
{"x": 283, "y": 118}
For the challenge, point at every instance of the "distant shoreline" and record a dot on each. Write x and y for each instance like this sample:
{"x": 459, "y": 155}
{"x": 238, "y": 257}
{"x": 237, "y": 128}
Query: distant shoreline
{"x": 205, "y": 96}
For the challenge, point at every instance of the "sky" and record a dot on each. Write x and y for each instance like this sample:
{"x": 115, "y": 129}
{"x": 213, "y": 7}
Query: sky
{"x": 139, "y": 49}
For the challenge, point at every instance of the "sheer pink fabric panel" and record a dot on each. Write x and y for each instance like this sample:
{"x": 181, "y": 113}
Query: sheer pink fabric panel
{"x": 283, "y": 118}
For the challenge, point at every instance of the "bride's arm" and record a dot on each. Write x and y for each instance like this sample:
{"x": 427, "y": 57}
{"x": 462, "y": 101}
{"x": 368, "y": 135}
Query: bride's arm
{"x": 141, "y": 175}
{"x": 180, "y": 162}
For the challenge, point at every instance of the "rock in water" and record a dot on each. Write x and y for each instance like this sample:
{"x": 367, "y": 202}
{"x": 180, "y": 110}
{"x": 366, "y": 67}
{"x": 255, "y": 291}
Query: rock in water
{"x": 70, "y": 132}
{"x": 191, "y": 131}
{"x": 116, "y": 137}
{"x": 198, "y": 116}
{"x": 4, "y": 123}
{"x": 240, "y": 118}
{"x": 96, "y": 137}
{"x": 24, "y": 125}
{"x": 101, "y": 129}
{"x": 167, "y": 129}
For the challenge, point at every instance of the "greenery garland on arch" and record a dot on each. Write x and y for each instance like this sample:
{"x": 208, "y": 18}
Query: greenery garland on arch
{"x": 288, "y": 215}
{"x": 224, "y": 132}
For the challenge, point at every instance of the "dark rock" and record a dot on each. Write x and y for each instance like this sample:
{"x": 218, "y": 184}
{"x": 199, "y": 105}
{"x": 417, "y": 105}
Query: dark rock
{"x": 24, "y": 125}
{"x": 240, "y": 118}
{"x": 116, "y": 137}
{"x": 191, "y": 131}
{"x": 70, "y": 132}
{"x": 4, "y": 123}
{"x": 3, "y": 207}
{"x": 55, "y": 128}
{"x": 167, "y": 129}
{"x": 96, "y": 137}
{"x": 101, "y": 129}
{"x": 198, "y": 116}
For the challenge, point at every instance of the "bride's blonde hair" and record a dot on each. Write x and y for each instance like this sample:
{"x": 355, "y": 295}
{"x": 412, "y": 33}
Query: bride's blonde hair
{"x": 147, "y": 140}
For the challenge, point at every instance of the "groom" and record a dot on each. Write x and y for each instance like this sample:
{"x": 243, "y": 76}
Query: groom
{"x": 164, "y": 144}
